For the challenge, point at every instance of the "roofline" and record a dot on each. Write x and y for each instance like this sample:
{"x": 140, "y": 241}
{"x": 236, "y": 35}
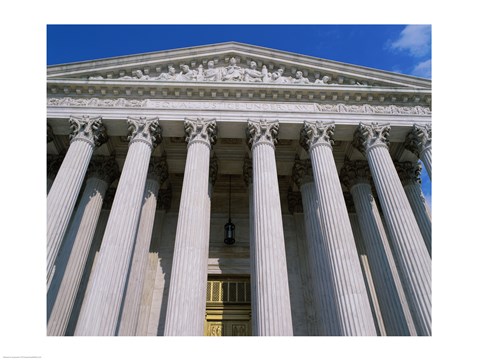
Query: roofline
{"x": 234, "y": 45}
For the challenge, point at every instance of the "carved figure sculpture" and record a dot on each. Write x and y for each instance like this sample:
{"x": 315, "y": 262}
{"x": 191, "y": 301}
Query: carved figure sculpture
{"x": 300, "y": 79}
{"x": 186, "y": 74}
{"x": 171, "y": 75}
{"x": 265, "y": 75}
{"x": 252, "y": 74}
{"x": 278, "y": 78}
{"x": 323, "y": 81}
{"x": 200, "y": 73}
{"x": 211, "y": 73}
{"x": 137, "y": 75}
{"x": 232, "y": 72}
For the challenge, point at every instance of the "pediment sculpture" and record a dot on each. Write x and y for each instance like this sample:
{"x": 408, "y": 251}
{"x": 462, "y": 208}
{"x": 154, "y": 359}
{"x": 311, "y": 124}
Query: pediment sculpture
{"x": 232, "y": 72}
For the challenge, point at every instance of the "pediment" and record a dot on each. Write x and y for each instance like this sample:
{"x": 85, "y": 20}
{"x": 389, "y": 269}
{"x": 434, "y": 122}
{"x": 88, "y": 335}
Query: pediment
{"x": 230, "y": 63}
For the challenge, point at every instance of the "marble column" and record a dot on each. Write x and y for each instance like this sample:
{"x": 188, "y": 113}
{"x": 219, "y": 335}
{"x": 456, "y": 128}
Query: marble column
{"x": 419, "y": 141}
{"x": 409, "y": 174}
{"x": 271, "y": 304}
{"x": 355, "y": 175}
{"x": 157, "y": 174}
{"x": 53, "y": 165}
{"x": 295, "y": 207}
{"x": 154, "y": 295}
{"x": 351, "y": 298}
{"x": 188, "y": 282}
{"x": 85, "y": 284}
{"x": 86, "y": 134}
{"x": 367, "y": 274}
{"x": 248, "y": 179}
{"x": 101, "y": 308}
{"x": 102, "y": 171}
{"x": 322, "y": 280}
{"x": 414, "y": 263}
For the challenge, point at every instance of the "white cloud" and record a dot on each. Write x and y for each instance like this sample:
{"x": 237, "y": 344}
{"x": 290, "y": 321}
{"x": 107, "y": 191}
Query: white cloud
{"x": 416, "y": 39}
{"x": 423, "y": 69}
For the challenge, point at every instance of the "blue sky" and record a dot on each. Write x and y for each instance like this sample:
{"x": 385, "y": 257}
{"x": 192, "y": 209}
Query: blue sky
{"x": 399, "y": 48}
{"x": 403, "y": 49}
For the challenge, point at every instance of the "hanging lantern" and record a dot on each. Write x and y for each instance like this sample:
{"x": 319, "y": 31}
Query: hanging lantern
{"x": 229, "y": 226}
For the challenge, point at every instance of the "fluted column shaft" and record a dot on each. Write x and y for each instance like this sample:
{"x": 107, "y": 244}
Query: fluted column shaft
{"x": 426, "y": 157}
{"x": 322, "y": 280}
{"x": 414, "y": 262}
{"x": 248, "y": 178}
{"x": 101, "y": 307}
{"x": 155, "y": 278}
{"x": 391, "y": 297}
{"x": 86, "y": 134}
{"x": 271, "y": 304}
{"x": 421, "y": 211}
{"x": 131, "y": 307}
{"x": 351, "y": 297}
{"x": 409, "y": 174}
{"x": 188, "y": 282}
{"x": 81, "y": 234}
{"x": 367, "y": 273}
{"x": 53, "y": 165}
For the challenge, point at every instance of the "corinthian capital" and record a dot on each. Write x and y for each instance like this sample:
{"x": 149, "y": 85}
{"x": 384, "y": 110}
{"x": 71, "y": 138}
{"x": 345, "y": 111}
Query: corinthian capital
{"x": 368, "y": 136}
{"x": 144, "y": 130}
{"x": 104, "y": 168}
{"x": 201, "y": 130}
{"x": 302, "y": 171}
{"x": 419, "y": 139}
{"x": 316, "y": 133}
{"x": 158, "y": 169}
{"x": 354, "y": 172}
{"x": 408, "y": 172}
{"x": 88, "y": 129}
{"x": 262, "y": 131}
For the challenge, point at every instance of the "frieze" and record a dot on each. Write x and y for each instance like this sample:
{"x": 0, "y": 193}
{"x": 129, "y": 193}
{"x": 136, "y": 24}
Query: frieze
{"x": 240, "y": 106}
{"x": 233, "y": 71}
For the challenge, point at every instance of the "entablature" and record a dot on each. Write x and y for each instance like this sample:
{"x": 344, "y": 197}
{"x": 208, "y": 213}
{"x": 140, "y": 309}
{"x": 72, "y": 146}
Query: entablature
{"x": 232, "y": 116}
{"x": 137, "y": 90}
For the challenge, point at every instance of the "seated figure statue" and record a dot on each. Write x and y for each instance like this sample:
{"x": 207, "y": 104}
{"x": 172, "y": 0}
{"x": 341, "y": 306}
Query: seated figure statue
{"x": 95, "y": 77}
{"x": 323, "y": 81}
{"x": 232, "y": 72}
{"x": 278, "y": 78}
{"x": 186, "y": 74}
{"x": 211, "y": 73}
{"x": 252, "y": 74}
{"x": 171, "y": 75}
{"x": 300, "y": 79}
{"x": 137, "y": 75}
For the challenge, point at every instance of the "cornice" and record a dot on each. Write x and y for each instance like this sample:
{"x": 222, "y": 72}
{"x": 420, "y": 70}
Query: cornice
{"x": 235, "y": 91}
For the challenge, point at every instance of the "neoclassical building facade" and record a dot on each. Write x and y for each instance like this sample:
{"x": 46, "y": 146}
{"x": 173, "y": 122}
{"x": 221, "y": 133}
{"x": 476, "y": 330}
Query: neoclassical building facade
{"x": 236, "y": 190}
